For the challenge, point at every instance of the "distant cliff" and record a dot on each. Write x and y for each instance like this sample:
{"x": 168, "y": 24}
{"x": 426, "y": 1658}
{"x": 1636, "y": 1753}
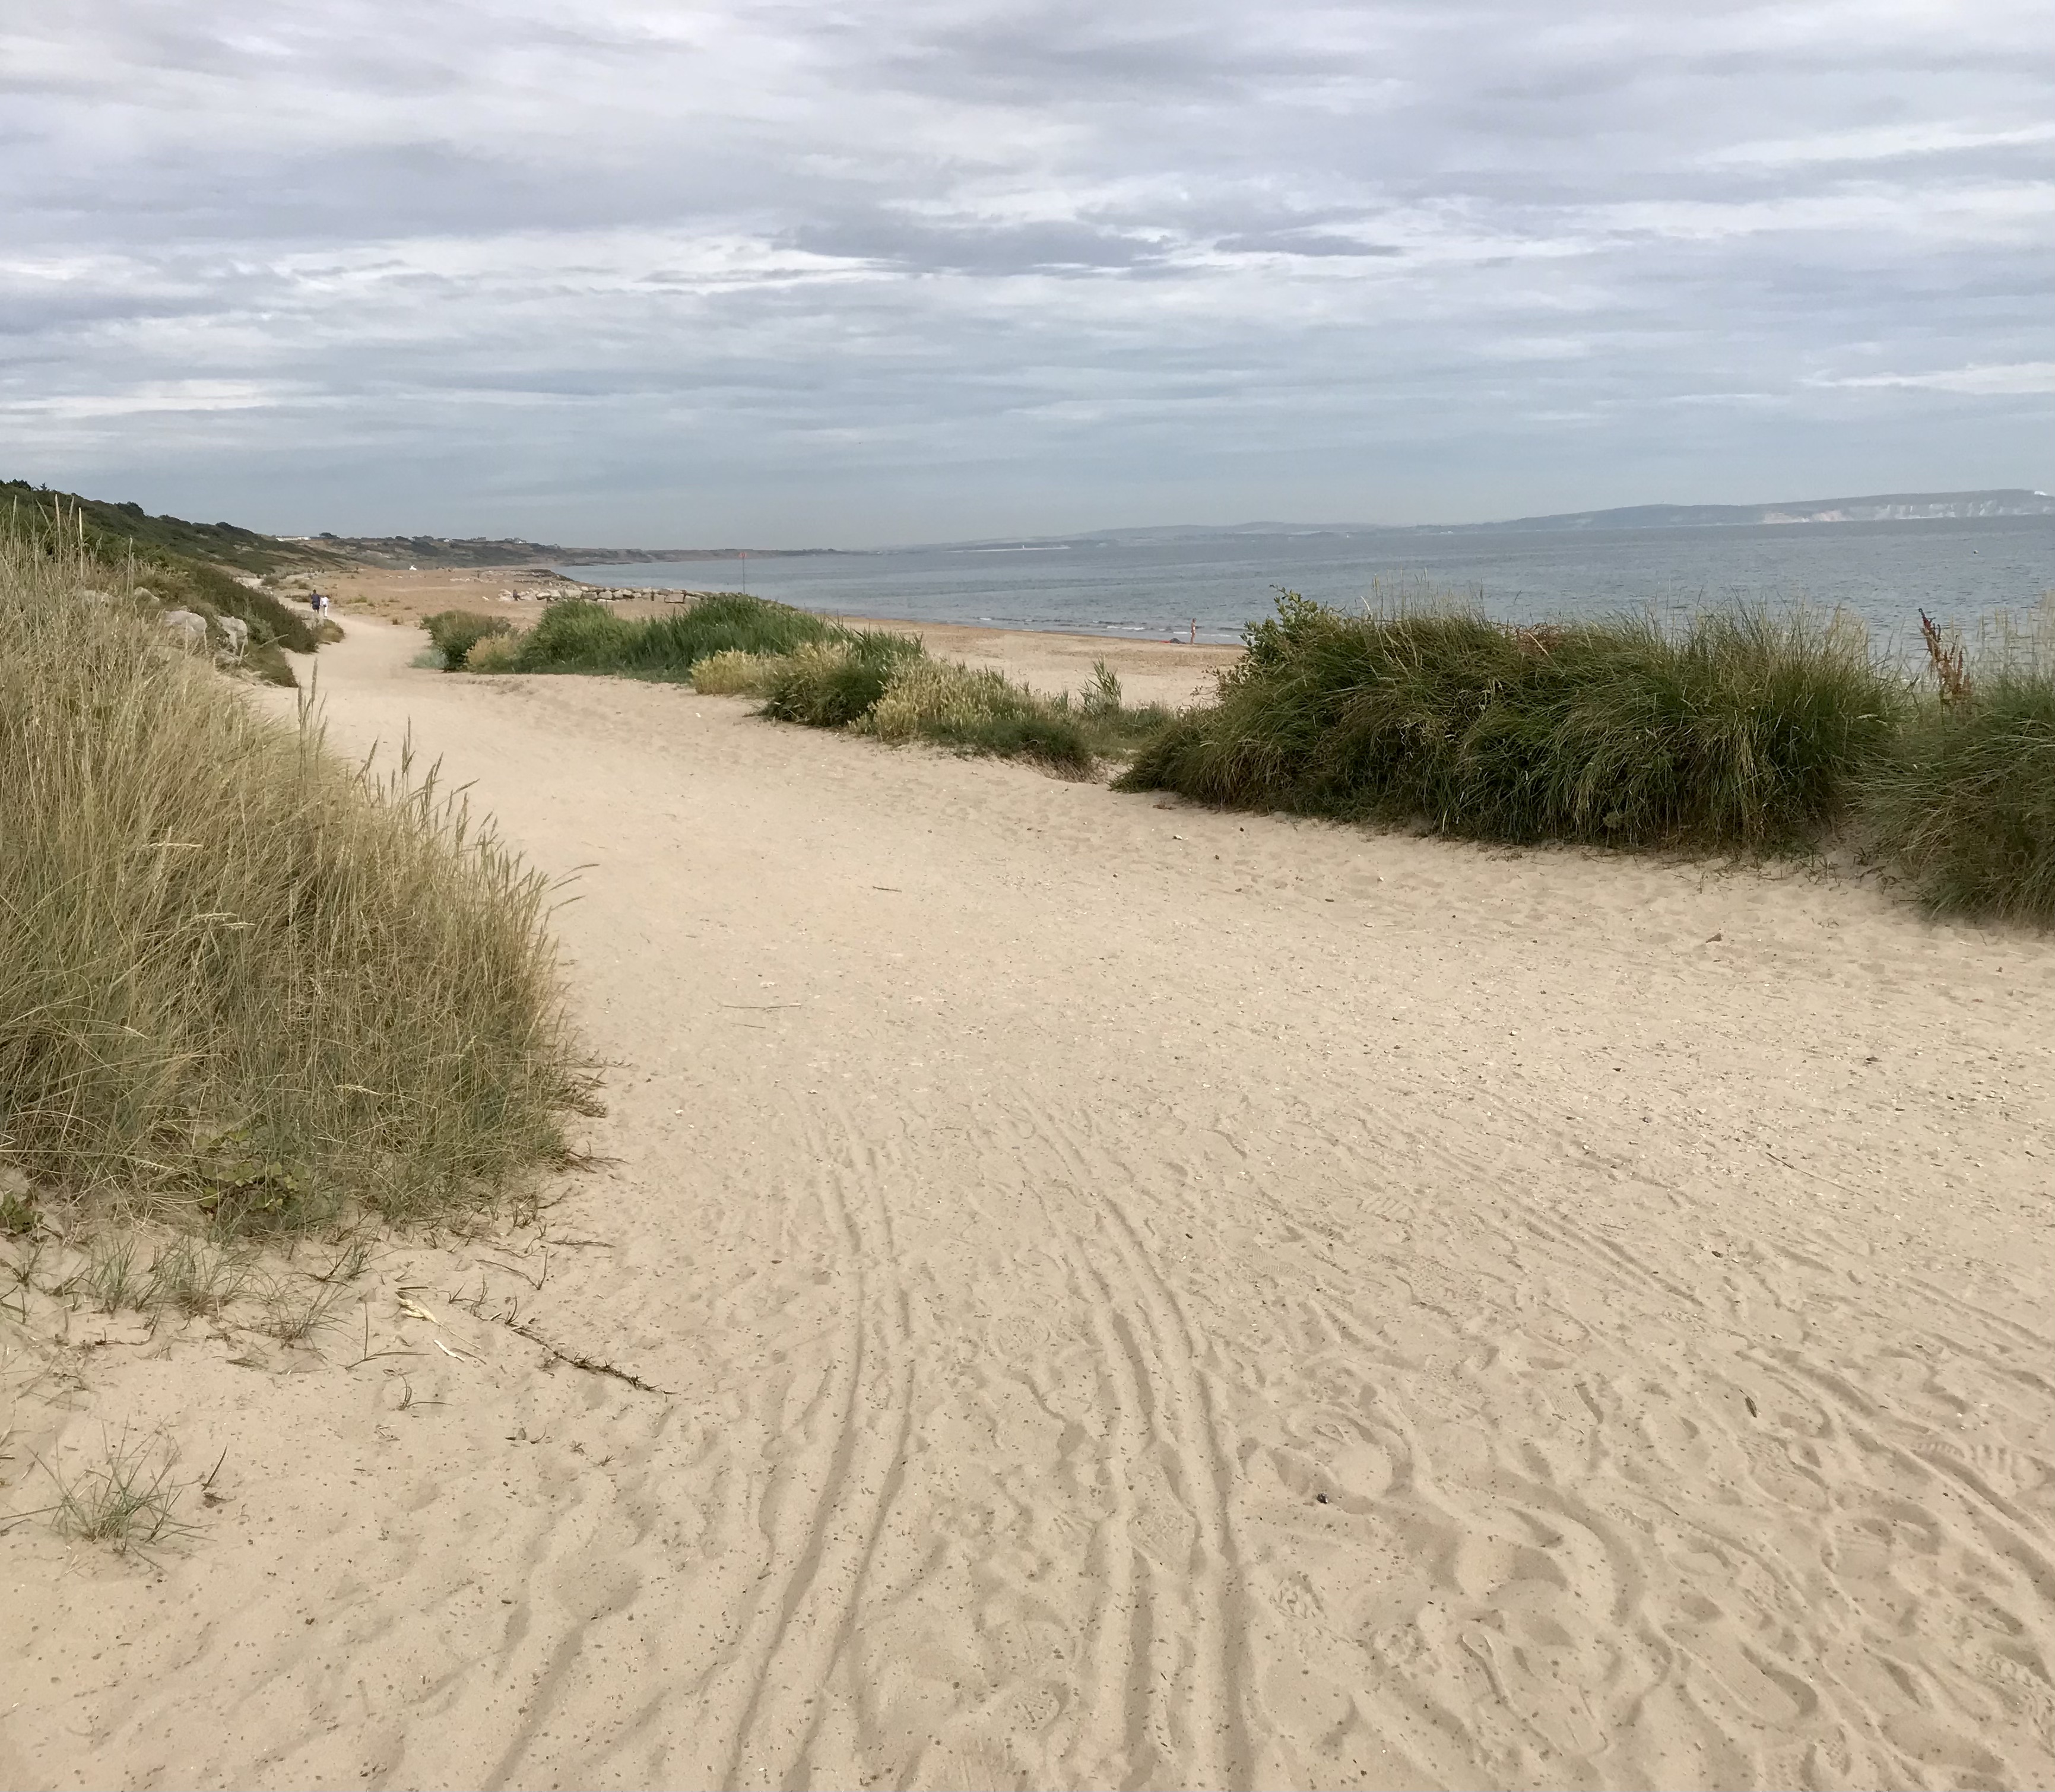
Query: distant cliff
{"x": 1893, "y": 506}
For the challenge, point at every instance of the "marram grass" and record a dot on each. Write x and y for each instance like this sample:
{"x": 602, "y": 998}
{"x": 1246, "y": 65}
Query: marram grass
{"x": 1736, "y": 730}
{"x": 1963, "y": 802}
{"x": 240, "y": 977}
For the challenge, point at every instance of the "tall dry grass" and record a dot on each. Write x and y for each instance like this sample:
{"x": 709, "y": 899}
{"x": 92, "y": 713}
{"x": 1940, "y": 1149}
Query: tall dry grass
{"x": 240, "y": 977}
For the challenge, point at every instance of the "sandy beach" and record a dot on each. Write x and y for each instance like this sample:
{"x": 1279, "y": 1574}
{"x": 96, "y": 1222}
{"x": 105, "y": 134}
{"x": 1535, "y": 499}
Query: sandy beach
{"x": 1078, "y": 1289}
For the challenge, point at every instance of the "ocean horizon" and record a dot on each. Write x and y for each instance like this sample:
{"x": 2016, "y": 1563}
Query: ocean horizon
{"x": 1958, "y": 571}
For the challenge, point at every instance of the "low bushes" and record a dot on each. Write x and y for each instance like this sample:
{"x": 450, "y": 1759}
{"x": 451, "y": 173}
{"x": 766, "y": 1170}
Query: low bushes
{"x": 833, "y": 683}
{"x": 240, "y": 978}
{"x": 732, "y": 673}
{"x": 1735, "y": 731}
{"x": 583, "y": 636}
{"x": 978, "y": 710}
{"x": 1964, "y": 800}
{"x": 822, "y": 674}
{"x": 494, "y": 653}
{"x": 1739, "y": 730}
{"x": 455, "y": 632}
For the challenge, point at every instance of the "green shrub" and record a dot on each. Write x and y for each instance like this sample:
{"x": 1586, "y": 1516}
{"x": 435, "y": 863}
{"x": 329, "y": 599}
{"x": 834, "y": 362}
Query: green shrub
{"x": 496, "y": 652}
{"x": 455, "y": 632}
{"x": 1964, "y": 801}
{"x": 732, "y": 673}
{"x": 978, "y": 710}
{"x": 831, "y": 683}
{"x": 1736, "y": 730}
{"x": 584, "y": 637}
{"x": 268, "y": 665}
{"x": 240, "y": 977}
{"x": 576, "y": 637}
{"x": 1110, "y": 724}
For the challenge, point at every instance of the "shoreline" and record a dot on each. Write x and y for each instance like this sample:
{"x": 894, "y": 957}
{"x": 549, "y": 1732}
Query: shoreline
{"x": 1172, "y": 672}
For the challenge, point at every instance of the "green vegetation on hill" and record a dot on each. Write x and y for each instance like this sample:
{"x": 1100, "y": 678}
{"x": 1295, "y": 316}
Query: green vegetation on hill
{"x": 438, "y": 550}
{"x": 122, "y": 527}
{"x": 243, "y": 981}
{"x": 56, "y": 525}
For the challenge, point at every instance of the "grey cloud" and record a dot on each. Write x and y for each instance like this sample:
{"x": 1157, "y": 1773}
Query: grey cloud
{"x": 951, "y": 254}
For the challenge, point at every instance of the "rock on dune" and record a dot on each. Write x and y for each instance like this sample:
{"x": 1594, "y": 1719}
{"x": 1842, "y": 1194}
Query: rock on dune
{"x": 190, "y": 629}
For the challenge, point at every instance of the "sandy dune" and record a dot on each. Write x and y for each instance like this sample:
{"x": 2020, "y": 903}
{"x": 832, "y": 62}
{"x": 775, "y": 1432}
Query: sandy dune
{"x": 1140, "y": 1297}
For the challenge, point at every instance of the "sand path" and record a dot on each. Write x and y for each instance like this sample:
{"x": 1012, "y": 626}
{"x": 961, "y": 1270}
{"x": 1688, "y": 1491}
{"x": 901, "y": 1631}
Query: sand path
{"x": 1140, "y": 1298}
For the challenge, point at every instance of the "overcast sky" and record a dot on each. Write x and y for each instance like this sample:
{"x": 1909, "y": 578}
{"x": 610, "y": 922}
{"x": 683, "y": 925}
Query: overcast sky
{"x": 615, "y": 271}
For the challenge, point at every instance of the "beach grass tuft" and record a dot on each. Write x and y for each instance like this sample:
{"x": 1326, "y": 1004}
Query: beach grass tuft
{"x": 733, "y": 672}
{"x": 243, "y": 982}
{"x": 1964, "y": 800}
{"x": 1732, "y": 730}
{"x": 580, "y": 635}
{"x": 835, "y": 683}
{"x": 456, "y": 633}
{"x": 125, "y": 1498}
{"x": 977, "y": 710}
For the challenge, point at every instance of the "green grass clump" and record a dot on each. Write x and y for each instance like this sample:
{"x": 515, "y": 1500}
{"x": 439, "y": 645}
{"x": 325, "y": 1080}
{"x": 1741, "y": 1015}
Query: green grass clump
{"x": 127, "y": 1498}
{"x": 977, "y": 710}
{"x": 242, "y": 981}
{"x": 584, "y": 637}
{"x": 1964, "y": 801}
{"x": 455, "y": 632}
{"x": 1736, "y": 730}
{"x": 494, "y": 653}
{"x": 833, "y": 684}
{"x": 823, "y": 674}
{"x": 732, "y": 673}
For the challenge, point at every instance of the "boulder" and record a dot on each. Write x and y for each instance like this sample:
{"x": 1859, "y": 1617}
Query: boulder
{"x": 189, "y": 629}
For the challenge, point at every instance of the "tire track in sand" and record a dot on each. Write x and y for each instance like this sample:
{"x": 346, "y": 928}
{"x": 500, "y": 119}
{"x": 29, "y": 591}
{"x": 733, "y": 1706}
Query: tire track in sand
{"x": 1163, "y": 1416}
{"x": 794, "y": 1635}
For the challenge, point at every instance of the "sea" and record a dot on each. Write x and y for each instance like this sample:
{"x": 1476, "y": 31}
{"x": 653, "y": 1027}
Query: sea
{"x": 1961, "y": 571}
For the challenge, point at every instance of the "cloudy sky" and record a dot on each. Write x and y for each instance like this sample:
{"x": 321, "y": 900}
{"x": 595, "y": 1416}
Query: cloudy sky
{"x": 847, "y": 272}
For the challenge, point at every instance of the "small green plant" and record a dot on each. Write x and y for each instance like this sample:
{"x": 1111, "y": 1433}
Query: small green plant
{"x": 18, "y": 1218}
{"x": 1102, "y": 695}
{"x": 194, "y": 1279}
{"x": 455, "y": 632}
{"x": 128, "y": 1499}
{"x": 296, "y": 1315}
{"x": 111, "y": 1278}
{"x": 238, "y": 1190}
